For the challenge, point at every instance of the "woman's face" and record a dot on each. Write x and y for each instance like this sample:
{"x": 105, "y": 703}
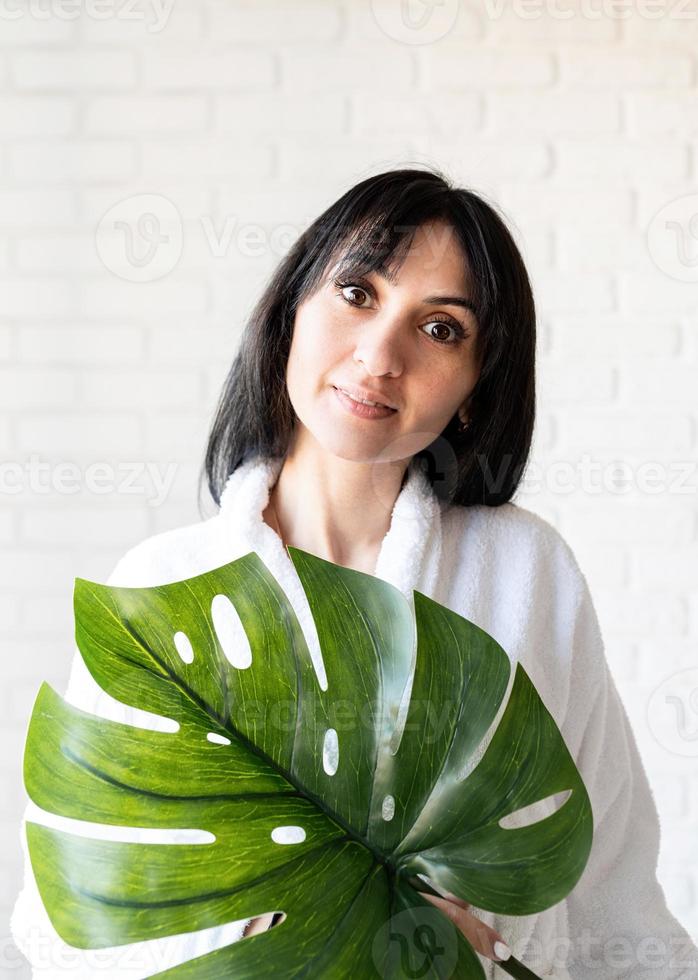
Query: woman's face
{"x": 411, "y": 342}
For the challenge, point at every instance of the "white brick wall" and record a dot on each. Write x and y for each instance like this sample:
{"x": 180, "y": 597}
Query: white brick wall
{"x": 250, "y": 117}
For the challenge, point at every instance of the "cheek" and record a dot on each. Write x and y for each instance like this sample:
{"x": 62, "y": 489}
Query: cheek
{"x": 439, "y": 391}
{"x": 296, "y": 368}
{"x": 319, "y": 340}
{"x": 308, "y": 359}
{"x": 435, "y": 386}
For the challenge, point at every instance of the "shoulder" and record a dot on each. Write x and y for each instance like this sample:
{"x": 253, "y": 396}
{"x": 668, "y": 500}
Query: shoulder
{"x": 172, "y": 555}
{"x": 192, "y": 549}
{"x": 514, "y": 574}
{"x": 509, "y": 526}
{"x": 516, "y": 542}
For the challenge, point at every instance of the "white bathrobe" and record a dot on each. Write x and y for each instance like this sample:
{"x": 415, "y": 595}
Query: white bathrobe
{"x": 511, "y": 573}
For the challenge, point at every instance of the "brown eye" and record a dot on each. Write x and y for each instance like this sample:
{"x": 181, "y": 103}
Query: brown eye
{"x": 346, "y": 290}
{"x": 444, "y": 326}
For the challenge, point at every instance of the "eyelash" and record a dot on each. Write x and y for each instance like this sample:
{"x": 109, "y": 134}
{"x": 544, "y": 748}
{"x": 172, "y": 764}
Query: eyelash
{"x": 437, "y": 318}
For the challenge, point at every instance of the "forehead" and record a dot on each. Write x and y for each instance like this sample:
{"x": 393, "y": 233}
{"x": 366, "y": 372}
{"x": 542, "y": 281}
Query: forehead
{"x": 435, "y": 251}
{"x": 431, "y": 252}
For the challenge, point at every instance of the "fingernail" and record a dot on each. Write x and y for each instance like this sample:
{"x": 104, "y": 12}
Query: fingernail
{"x": 501, "y": 951}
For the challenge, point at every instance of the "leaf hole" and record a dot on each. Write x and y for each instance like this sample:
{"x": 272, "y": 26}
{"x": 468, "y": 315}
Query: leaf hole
{"x": 230, "y": 632}
{"x": 535, "y": 812}
{"x": 288, "y": 835}
{"x": 122, "y": 834}
{"x": 330, "y": 752}
{"x": 276, "y": 919}
{"x": 218, "y": 739}
{"x": 184, "y": 647}
{"x": 388, "y": 808}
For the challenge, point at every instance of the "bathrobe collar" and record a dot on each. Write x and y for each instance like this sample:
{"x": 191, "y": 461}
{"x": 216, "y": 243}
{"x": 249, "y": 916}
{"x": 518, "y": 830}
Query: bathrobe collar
{"x": 410, "y": 552}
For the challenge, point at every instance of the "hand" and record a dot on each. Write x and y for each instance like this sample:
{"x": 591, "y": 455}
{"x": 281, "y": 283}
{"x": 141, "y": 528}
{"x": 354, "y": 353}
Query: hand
{"x": 259, "y": 924}
{"x": 481, "y": 937}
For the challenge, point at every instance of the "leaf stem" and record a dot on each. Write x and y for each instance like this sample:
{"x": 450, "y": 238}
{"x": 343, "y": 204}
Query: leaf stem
{"x": 515, "y": 968}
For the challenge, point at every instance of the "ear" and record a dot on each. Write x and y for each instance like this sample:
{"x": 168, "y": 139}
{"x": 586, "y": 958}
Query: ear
{"x": 464, "y": 410}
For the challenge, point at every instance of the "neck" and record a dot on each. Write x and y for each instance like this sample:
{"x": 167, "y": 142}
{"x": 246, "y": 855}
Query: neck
{"x": 335, "y": 508}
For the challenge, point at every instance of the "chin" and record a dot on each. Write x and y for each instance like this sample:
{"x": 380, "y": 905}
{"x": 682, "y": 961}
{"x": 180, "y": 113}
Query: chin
{"x": 350, "y": 440}
{"x": 353, "y": 450}
{"x": 339, "y": 441}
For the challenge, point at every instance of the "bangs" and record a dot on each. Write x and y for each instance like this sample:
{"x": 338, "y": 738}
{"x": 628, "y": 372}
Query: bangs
{"x": 372, "y": 245}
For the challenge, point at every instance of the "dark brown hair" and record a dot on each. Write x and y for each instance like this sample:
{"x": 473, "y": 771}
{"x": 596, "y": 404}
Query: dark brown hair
{"x": 369, "y": 226}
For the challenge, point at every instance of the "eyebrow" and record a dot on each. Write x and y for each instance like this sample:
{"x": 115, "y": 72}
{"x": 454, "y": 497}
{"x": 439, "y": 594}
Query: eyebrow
{"x": 435, "y": 300}
{"x": 451, "y": 301}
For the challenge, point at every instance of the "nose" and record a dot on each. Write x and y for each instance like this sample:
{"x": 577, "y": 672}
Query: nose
{"x": 379, "y": 345}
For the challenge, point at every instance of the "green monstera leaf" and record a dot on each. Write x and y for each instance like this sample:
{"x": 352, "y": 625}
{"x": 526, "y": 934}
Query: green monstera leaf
{"x": 370, "y": 787}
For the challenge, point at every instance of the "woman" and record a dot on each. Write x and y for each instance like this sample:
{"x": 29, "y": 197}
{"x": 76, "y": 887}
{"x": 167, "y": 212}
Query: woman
{"x": 379, "y": 414}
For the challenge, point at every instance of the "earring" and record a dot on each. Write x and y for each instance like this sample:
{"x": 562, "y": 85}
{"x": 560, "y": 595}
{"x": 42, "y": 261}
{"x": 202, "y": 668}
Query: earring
{"x": 463, "y": 424}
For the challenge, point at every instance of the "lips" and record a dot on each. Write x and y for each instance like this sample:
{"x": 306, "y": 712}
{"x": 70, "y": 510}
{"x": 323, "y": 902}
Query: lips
{"x": 362, "y": 397}
{"x": 360, "y": 409}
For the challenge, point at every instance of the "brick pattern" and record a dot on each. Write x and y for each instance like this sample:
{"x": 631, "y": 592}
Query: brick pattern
{"x": 238, "y": 123}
